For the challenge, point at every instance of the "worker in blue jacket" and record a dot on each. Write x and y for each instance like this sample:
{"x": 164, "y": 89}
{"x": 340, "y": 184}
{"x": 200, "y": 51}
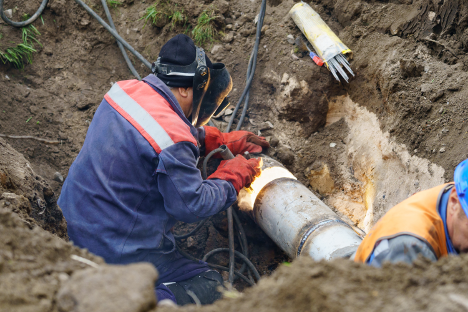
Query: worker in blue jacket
{"x": 136, "y": 174}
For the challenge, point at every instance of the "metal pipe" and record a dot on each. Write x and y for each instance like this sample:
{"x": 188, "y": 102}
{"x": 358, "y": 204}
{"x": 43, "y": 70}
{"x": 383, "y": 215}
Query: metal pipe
{"x": 294, "y": 218}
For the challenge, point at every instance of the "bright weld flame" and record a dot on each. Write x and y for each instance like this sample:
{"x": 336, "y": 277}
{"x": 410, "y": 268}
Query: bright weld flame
{"x": 247, "y": 196}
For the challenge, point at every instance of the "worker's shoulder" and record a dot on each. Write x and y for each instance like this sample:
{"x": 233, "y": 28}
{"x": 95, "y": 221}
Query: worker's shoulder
{"x": 150, "y": 113}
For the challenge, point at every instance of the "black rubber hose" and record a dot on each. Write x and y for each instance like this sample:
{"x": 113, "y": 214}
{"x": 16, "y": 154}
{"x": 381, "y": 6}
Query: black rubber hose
{"x": 199, "y": 225}
{"x": 215, "y": 266}
{"x": 250, "y": 75}
{"x": 242, "y": 269}
{"x": 238, "y": 254}
{"x": 114, "y": 33}
{"x": 231, "y": 249}
{"x": 253, "y": 57}
{"x": 205, "y": 161}
{"x": 28, "y": 21}
{"x": 237, "y": 273}
{"x": 243, "y": 240}
{"x": 229, "y": 219}
{"x": 122, "y": 49}
{"x": 254, "y": 65}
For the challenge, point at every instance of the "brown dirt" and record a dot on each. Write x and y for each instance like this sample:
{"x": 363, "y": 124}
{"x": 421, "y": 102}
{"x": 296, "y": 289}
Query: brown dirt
{"x": 343, "y": 285}
{"x": 33, "y": 265}
{"x": 411, "y": 66}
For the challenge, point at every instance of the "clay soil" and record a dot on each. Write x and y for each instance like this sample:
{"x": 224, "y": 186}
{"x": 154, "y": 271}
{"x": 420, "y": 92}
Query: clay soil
{"x": 410, "y": 63}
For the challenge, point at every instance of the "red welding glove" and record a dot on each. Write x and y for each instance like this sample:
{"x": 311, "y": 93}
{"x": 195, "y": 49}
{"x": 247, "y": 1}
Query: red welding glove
{"x": 239, "y": 171}
{"x": 237, "y": 141}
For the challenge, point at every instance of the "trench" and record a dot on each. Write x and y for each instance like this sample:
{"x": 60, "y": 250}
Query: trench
{"x": 358, "y": 153}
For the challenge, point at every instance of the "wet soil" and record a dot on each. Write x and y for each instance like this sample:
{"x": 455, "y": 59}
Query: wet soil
{"x": 411, "y": 66}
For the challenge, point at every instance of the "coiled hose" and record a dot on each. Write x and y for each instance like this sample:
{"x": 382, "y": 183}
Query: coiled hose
{"x": 26, "y": 22}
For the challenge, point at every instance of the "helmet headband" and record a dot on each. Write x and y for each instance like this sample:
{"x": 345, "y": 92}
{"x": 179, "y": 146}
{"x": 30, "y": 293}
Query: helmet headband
{"x": 210, "y": 85}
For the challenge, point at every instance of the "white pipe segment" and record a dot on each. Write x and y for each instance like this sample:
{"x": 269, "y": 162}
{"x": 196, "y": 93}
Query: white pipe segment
{"x": 294, "y": 218}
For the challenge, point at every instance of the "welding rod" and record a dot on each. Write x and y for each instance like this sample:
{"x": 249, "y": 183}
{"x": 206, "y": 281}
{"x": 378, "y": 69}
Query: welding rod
{"x": 335, "y": 65}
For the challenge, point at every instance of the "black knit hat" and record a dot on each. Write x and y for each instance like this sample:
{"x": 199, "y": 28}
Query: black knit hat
{"x": 179, "y": 50}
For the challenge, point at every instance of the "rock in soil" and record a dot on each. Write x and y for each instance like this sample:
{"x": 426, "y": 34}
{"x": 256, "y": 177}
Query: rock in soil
{"x": 110, "y": 288}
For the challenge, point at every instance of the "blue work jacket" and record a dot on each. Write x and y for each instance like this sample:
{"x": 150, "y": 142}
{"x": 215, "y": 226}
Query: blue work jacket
{"x": 128, "y": 186}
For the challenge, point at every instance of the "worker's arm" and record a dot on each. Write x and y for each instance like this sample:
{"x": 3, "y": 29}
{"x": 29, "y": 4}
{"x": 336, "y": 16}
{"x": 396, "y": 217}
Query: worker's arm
{"x": 187, "y": 197}
{"x": 403, "y": 248}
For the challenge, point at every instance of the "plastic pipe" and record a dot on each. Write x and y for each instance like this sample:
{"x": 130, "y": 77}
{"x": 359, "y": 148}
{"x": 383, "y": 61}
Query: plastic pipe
{"x": 294, "y": 218}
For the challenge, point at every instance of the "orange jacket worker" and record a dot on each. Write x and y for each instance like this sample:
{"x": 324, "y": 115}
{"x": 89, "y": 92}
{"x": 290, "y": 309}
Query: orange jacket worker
{"x": 431, "y": 223}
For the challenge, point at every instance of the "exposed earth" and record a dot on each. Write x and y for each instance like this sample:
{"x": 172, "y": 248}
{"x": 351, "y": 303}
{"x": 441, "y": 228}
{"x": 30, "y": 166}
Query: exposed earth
{"x": 396, "y": 128}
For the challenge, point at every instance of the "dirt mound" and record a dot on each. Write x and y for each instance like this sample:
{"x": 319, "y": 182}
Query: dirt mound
{"x": 41, "y": 272}
{"x": 342, "y": 285}
{"x": 33, "y": 264}
{"x": 26, "y": 193}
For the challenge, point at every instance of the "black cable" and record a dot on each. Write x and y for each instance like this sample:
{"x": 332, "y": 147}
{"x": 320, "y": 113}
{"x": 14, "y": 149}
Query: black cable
{"x": 229, "y": 219}
{"x": 205, "y": 161}
{"x": 114, "y": 33}
{"x": 243, "y": 241}
{"x": 238, "y": 254}
{"x": 251, "y": 70}
{"x": 199, "y": 225}
{"x": 122, "y": 49}
{"x": 231, "y": 245}
{"x": 26, "y": 22}
{"x": 250, "y": 75}
{"x": 242, "y": 269}
{"x": 215, "y": 266}
{"x": 253, "y": 58}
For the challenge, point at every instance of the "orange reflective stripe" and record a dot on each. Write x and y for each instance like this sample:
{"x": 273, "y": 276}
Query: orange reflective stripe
{"x": 140, "y": 118}
{"x": 149, "y": 113}
{"x": 417, "y": 216}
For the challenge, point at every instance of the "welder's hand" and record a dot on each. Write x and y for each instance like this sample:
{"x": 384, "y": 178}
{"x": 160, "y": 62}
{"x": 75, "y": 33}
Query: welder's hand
{"x": 238, "y": 142}
{"x": 239, "y": 171}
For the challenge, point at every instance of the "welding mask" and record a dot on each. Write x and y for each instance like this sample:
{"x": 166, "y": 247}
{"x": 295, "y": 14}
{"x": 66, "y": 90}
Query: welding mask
{"x": 210, "y": 86}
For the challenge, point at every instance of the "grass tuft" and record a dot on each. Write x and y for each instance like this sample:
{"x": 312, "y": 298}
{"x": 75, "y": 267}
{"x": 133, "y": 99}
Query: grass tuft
{"x": 177, "y": 17}
{"x": 204, "y": 30}
{"x": 164, "y": 9}
{"x": 154, "y": 13}
{"x": 114, "y": 3}
{"x": 23, "y": 51}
